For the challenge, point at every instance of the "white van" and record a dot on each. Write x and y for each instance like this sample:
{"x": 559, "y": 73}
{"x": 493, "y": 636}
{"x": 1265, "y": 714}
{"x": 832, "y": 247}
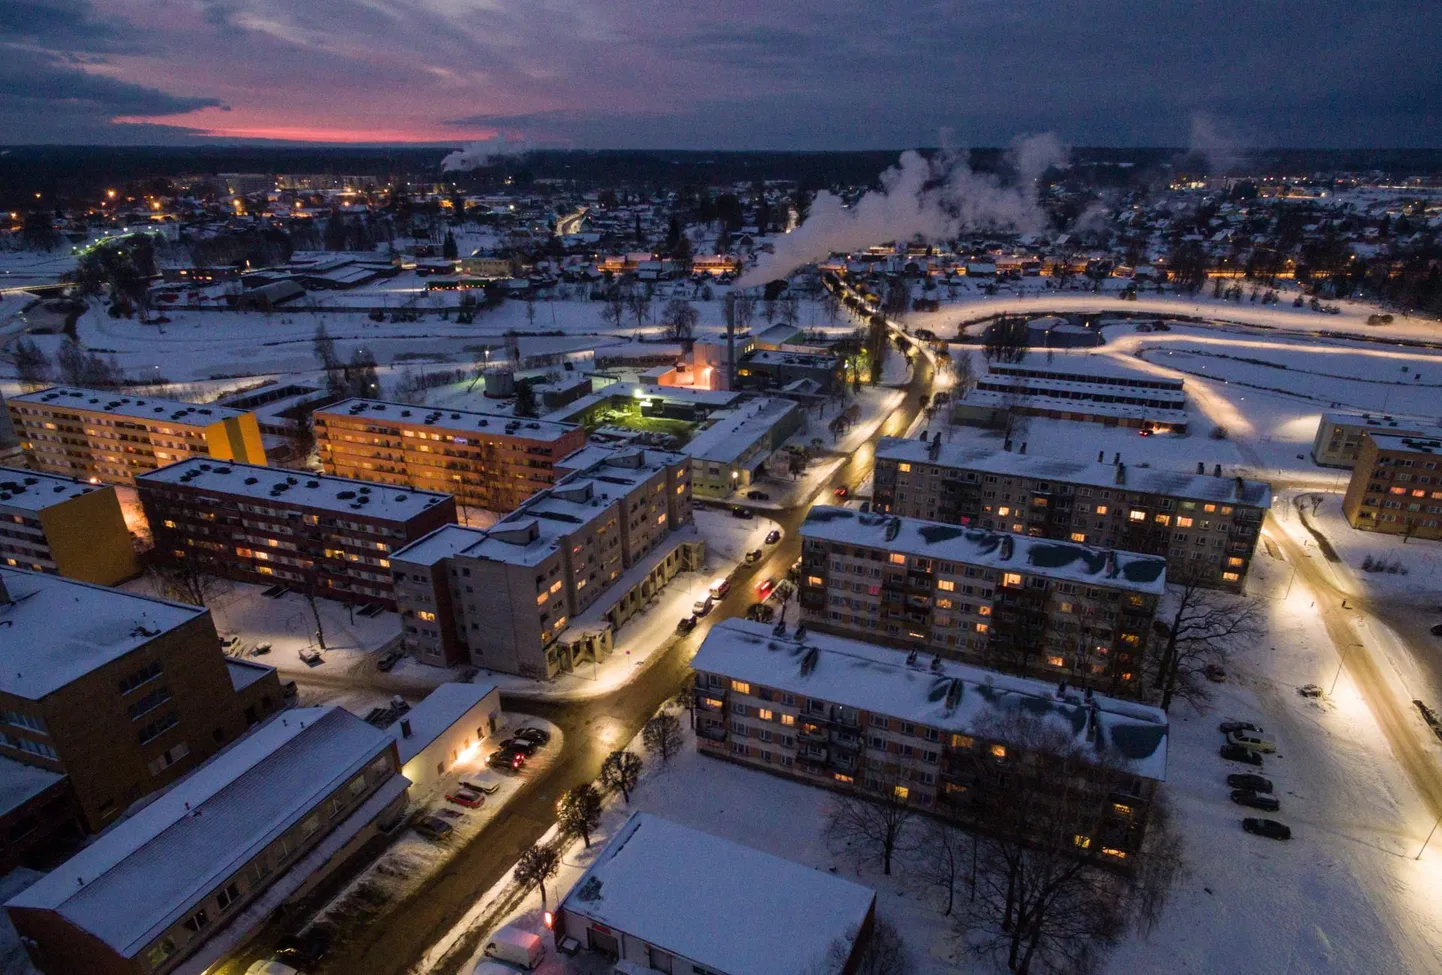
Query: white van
{"x": 517, "y": 946}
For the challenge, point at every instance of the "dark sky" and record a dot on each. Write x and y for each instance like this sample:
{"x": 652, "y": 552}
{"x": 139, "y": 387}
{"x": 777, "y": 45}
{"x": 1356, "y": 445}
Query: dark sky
{"x": 738, "y": 74}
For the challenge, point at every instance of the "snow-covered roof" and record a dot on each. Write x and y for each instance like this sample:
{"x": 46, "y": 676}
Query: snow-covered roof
{"x": 139, "y": 408}
{"x": 54, "y": 630}
{"x": 729, "y": 907}
{"x": 1402, "y": 442}
{"x": 435, "y": 713}
{"x": 243, "y": 673}
{"x": 19, "y": 783}
{"x": 301, "y": 489}
{"x": 1384, "y": 422}
{"x": 778, "y": 334}
{"x": 469, "y": 421}
{"x": 1079, "y": 390}
{"x": 996, "y": 550}
{"x": 948, "y": 695}
{"x": 147, "y": 872}
{"x": 1083, "y": 368}
{"x": 439, "y": 545}
{"x": 734, "y": 433}
{"x": 996, "y": 399}
{"x": 1146, "y": 480}
{"x": 23, "y": 490}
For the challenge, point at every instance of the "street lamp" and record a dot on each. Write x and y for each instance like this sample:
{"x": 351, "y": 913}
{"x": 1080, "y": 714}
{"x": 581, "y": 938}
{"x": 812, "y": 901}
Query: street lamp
{"x": 1341, "y": 661}
{"x": 1428, "y": 839}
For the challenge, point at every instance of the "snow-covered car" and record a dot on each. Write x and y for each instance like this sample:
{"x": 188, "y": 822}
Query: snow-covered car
{"x": 1236, "y": 753}
{"x": 701, "y": 607}
{"x": 1249, "y": 780}
{"x": 1269, "y": 828}
{"x": 1252, "y": 742}
{"x": 1227, "y": 727}
{"x": 1256, "y": 800}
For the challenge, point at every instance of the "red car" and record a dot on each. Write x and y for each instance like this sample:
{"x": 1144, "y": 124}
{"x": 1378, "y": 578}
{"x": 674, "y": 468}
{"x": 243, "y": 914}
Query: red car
{"x": 466, "y": 797}
{"x": 764, "y": 589}
{"x": 842, "y": 491}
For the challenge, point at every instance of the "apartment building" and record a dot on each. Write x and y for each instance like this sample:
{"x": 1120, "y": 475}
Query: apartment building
{"x": 57, "y": 524}
{"x": 1339, "y": 435}
{"x": 1030, "y": 606}
{"x": 486, "y": 460}
{"x": 1086, "y": 391}
{"x": 1396, "y": 487}
{"x": 191, "y": 877}
{"x": 267, "y": 525}
{"x": 1206, "y": 525}
{"x": 544, "y": 588}
{"x": 119, "y": 693}
{"x": 91, "y": 433}
{"x": 942, "y": 735}
{"x": 727, "y": 456}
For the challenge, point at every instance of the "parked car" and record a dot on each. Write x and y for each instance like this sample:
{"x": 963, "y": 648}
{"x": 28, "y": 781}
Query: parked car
{"x": 740, "y": 512}
{"x": 764, "y": 587}
{"x": 758, "y": 495}
{"x": 720, "y": 589}
{"x": 773, "y": 536}
{"x": 701, "y": 607}
{"x": 1236, "y": 753}
{"x": 453, "y": 815}
{"x": 1256, "y": 800}
{"x": 1310, "y": 690}
{"x": 465, "y": 797}
{"x": 1252, "y": 742}
{"x": 389, "y": 659}
{"x": 485, "y": 788}
{"x": 433, "y": 827}
{"x": 306, "y": 949}
{"x": 505, "y": 760}
{"x": 753, "y": 556}
{"x": 686, "y": 625}
{"x": 519, "y": 745}
{"x": 1247, "y": 780}
{"x": 1215, "y": 673}
{"x": 1269, "y": 828}
{"x": 536, "y": 736}
{"x": 1227, "y": 727}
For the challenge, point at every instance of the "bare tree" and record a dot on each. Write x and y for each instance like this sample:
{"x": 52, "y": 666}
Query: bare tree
{"x": 537, "y": 865}
{"x": 1206, "y": 625}
{"x": 32, "y": 365}
{"x": 579, "y": 811}
{"x": 621, "y": 771}
{"x": 1011, "y": 415}
{"x": 680, "y": 319}
{"x": 884, "y": 953}
{"x": 943, "y": 855}
{"x": 745, "y": 309}
{"x": 613, "y": 312}
{"x": 312, "y": 600}
{"x": 662, "y": 734}
{"x": 182, "y": 580}
{"x": 872, "y": 822}
{"x": 964, "y": 374}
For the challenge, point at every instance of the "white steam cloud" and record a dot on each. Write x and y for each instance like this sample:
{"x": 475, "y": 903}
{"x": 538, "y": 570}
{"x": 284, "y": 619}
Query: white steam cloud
{"x": 473, "y": 155}
{"x": 929, "y": 198}
{"x": 1212, "y": 140}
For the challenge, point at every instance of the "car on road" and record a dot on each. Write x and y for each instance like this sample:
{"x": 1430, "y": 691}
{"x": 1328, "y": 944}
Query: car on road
{"x": 758, "y": 495}
{"x": 686, "y": 625}
{"x": 1236, "y": 753}
{"x": 465, "y": 797}
{"x": 505, "y": 760}
{"x": 842, "y": 492}
{"x": 1227, "y": 727}
{"x": 433, "y": 827}
{"x": 389, "y": 659}
{"x": 1252, "y": 742}
{"x": 519, "y": 745}
{"x": 1269, "y": 828}
{"x": 271, "y": 967}
{"x": 1144, "y": 432}
{"x": 701, "y": 607}
{"x": 764, "y": 587}
{"x": 1247, "y": 780}
{"x": 306, "y": 949}
{"x": 1256, "y": 800}
{"x": 740, "y": 512}
{"x": 753, "y": 556}
{"x": 773, "y": 536}
{"x": 486, "y": 788}
{"x": 536, "y": 736}
{"x": 720, "y": 589}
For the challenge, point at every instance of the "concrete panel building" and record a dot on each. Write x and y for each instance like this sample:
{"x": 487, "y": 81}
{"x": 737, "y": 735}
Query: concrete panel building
{"x": 728, "y": 455}
{"x": 114, "y": 437}
{"x": 1085, "y": 390}
{"x": 62, "y": 525}
{"x": 447, "y": 726}
{"x": 1030, "y": 606}
{"x": 844, "y": 713}
{"x": 1396, "y": 487}
{"x": 267, "y": 524}
{"x": 486, "y": 460}
{"x": 1339, "y": 435}
{"x": 1206, "y": 525}
{"x": 197, "y": 872}
{"x": 119, "y": 693}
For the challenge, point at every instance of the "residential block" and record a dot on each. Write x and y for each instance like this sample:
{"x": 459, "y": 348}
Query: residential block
{"x": 62, "y": 525}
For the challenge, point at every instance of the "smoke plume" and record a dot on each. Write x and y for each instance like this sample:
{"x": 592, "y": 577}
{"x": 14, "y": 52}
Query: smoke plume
{"x": 932, "y": 198}
{"x": 1212, "y": 141}
{"x": 474, "y": 155}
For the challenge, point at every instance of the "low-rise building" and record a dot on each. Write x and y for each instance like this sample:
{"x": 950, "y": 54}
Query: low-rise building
{"x": 1396, "y": 486}
{"x": 38, "y": 815}
{"x": 1089, "y": 392}
{"x": 267, "y": 524}
{"x": 844, "y": 713}
{"x": 486, "y": 460}
{"x": 194, "y": 874}
{"x": 728, "y": 455}
{"x": 766, "y": 369}
{"x": 447, "y": 726}
{"x": 757, "y": 914}
{"x": 591, "y": 550}
{"x": 119, "y": 693}
{"x": 113, "y": 437}
{"x": 1206, "y": 525}
{"x": 1031, "y": 606}
{"x": 57, "y": 524}
{"x": 1339, "y": 435}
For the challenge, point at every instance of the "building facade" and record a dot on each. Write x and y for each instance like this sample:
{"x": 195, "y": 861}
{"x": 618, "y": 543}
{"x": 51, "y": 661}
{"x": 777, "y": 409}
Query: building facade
{"x": 61, "y": 525}
{"x": 1205, "y": 525}
{"x": 121, "y": 694}
{"x": 487, "y": 461}
{"x": 1087, "y": 392}
{"x": 939, "y": 735}
{"x": 583, "y": 555}
{"x": 1396, "y": 487}
{"x": 267, "y": 525}
{"x": 728, "y": 455}
{"x": 1339, "y": 435}
{"x": 1053, "y": 610}
{"x": 113, "y": 438}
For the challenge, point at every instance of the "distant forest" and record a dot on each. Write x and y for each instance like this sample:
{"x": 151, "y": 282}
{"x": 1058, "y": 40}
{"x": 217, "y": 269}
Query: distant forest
{"x": 60, "y": 173}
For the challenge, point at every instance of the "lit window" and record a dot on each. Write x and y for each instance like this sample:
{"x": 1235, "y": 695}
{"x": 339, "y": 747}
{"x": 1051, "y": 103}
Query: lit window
{"x": 1112, "y": 851}
{"x": 983, "y": 610}
{"x": 169, "y": 523}
{"x": 1078, "y": 536}
{"x": 556, "y": 586}
{"x": 661, "y": 519}
{"x": 1101, "y": 509}
{"x": 1135, "y": 515}
{"x": 1209, "y": 508}
{"x": 962, "y": 741}
{"x": 541, "y": 599}
{"x": 740, "y": 687}
{"x": 982, "y": 627}
{"x": 1183, "y": 521}
{"x": 1011, "y": 579}
{"x": 1121, "y": 809}
{"x": 897, "y": 558}
{"x": 901, "y": 792}
{"x": 946, "y": 585}
{"x": 843, "y": 778}
{"x": 1230, "y": 576}
{"x": 1003, "y": 511}
{"x": 765, "y": 714}
{"x": 814, "y": 580}
{"x": 1056, "y": 661}
{"x": 904, "y": 468}
{"x": 1164, "y": 519}
{"x": 788, "y": 719}
{"x": 265, "y": 570}
{"x": 1082, "y": 841}
{"x": 426, "y": 615}
{"x": 943, "y": 604}
{"x": 997, "y": 751}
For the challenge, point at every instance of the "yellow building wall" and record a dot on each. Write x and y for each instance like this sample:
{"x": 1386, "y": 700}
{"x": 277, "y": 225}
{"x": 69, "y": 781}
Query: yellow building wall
{"x": 88, "y": 539}
{"x": 237, "y": 439}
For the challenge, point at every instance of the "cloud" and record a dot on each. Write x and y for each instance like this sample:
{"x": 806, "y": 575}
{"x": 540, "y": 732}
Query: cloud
{"x": 72, "y": 24}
